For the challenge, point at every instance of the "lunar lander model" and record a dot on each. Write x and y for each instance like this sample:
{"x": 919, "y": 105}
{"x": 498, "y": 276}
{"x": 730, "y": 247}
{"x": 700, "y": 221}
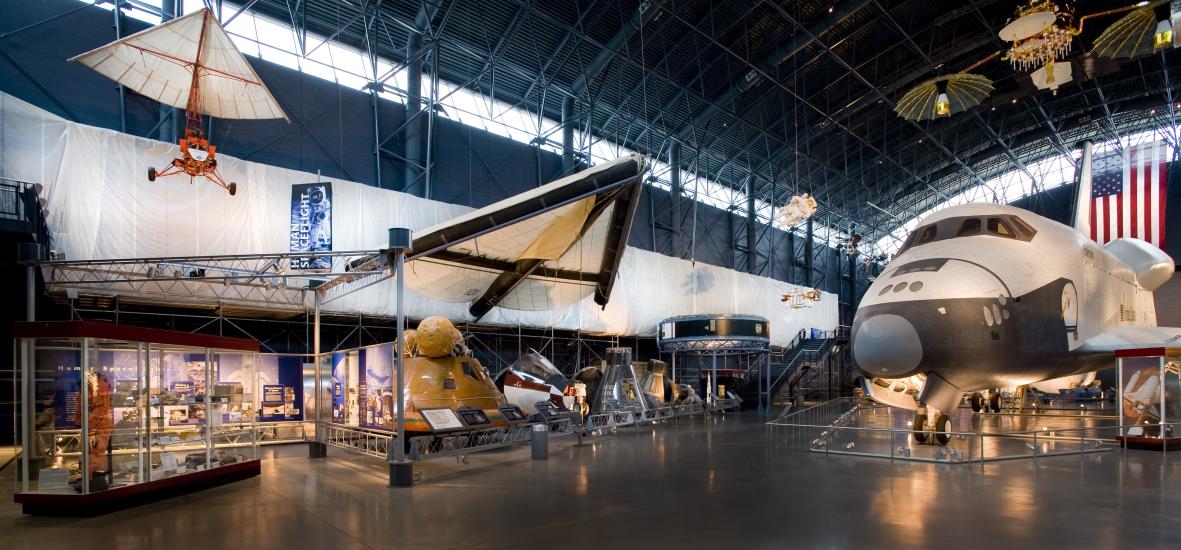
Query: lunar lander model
{"x": 192, "y": 64}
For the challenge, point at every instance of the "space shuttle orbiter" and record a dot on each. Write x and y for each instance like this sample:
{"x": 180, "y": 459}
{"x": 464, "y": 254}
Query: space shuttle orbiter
{"x": 986, "y": 296}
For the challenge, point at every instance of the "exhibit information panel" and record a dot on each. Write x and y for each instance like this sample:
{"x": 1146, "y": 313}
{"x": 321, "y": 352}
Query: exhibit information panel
{"x": 108, "y": 413}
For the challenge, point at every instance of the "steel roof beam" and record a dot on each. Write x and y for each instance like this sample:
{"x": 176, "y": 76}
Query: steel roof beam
{"x": 770, "y": 61}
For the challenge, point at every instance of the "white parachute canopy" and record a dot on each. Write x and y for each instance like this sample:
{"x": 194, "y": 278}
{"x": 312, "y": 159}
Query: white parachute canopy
{"x": 159, "y": 63}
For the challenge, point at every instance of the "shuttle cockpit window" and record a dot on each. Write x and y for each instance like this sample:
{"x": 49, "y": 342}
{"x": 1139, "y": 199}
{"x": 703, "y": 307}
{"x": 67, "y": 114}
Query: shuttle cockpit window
{"x": 1009, "y": 227}
{"x": 1000, "y": 228}
{"x": 1023, "y": 228}
{"x": 927, "y": 234}
{"x": 971, "y": 226}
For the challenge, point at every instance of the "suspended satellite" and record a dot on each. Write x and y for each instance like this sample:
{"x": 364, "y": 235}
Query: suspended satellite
{"x": 188, "y": 63}
{"x": 943, "y": 96}
{"x": 1146, "y": 30}
{"x": 801, "y": 298}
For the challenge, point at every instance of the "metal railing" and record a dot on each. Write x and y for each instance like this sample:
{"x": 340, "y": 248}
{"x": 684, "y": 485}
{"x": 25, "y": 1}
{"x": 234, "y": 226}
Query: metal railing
{"x": 21, "y": 209}
{"x": 829, "y": 428}
{"x": 802, "y": 356}
{"x": 355, "y": 439}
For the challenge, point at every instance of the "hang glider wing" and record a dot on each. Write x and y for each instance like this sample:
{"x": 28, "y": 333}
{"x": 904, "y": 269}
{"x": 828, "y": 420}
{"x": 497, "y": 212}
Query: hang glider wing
{"x": 541, "y": 250}
{"x": 1123, "y": 338}
{"x": 159, "y": 63}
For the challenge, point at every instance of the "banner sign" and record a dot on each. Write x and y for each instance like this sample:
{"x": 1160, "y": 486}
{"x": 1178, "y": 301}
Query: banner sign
{"x": 311, "y": 223}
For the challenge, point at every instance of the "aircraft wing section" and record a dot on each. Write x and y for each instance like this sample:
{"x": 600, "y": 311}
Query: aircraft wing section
{"x": 541, "y": 250}
{"x": 1121, "y": 338}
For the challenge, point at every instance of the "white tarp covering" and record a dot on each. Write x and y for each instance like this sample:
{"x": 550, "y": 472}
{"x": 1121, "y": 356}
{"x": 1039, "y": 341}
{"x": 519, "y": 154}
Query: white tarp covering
{"x": 99, "y": 205}
{"x": 158, "y": 63}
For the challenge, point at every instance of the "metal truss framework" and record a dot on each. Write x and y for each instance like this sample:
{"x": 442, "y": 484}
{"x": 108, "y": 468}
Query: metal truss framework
{"x": 810, "y": 85}
{"x": 767, "y": 114}
{"x": 252, "y": 281}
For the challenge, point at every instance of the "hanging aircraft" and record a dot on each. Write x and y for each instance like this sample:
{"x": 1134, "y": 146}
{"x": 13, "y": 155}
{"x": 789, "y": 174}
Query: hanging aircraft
{"x": 192, "y": 64}
{"x": 542, "y": 250}
{"x": 988, "y": 296}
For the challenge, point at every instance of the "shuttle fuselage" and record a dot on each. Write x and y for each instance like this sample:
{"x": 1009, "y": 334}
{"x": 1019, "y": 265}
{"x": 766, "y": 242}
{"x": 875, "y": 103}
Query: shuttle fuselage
{"x": 986, "y": 296}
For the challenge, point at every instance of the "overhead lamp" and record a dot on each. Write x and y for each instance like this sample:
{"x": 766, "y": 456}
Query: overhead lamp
{"x": 1163, "y": 37}
{"x": 942, "y": 105}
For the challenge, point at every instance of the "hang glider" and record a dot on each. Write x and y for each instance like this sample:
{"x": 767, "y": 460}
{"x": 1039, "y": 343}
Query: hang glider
{"x": 541, "y": 250}
{"x": 192, "y": 64}
{"x": 169, "y": 61}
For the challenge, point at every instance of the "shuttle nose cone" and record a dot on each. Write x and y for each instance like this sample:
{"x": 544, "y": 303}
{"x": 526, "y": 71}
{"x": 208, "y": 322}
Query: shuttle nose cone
{"x": 887, "y": 345}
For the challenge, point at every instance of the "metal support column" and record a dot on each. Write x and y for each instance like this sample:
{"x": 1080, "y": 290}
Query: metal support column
{"x": 808, "y": 255}
{"x": 852, "y": 290}
{"x": 428, "y": 182}
{"x": 412, "y": 133}
{"x": 791, "y": 257}
{"x": 413, "y": 130}
{"x": 84, "y": 412}
{"x": 401, "y": 471}
{"x": 675, "y": 191}
{"x": 374, "y": 87}
{"x": 26, "y": 404}
{"x": 317, "y": 448}
{"x": 713, "y": 383}
{"x": 752, "y": 257}
{"x": 568, "y": 135}
{"x": 167, "y": 129}
{"x": 31, "y": 292}
{"x": 118, "y": 14}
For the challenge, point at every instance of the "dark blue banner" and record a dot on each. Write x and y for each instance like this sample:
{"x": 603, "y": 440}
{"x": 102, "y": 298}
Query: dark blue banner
{"x": 311, "y": 223}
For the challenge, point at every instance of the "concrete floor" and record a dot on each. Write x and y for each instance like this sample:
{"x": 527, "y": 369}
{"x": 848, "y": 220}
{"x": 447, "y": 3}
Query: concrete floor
{"x": 690, "y": 485}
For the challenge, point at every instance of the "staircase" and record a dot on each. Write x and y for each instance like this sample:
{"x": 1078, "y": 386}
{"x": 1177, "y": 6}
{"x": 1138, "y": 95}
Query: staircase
{"x": 804, "y": 352}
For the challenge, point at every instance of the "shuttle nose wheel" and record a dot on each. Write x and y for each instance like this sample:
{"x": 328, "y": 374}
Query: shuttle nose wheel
{"x": 937, "y": 432}
{"x": 980, "y": 403}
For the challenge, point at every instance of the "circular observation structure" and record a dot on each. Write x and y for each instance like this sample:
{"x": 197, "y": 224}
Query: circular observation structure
{"x": 719, "y": 334}
{"x": 719, "y": 353}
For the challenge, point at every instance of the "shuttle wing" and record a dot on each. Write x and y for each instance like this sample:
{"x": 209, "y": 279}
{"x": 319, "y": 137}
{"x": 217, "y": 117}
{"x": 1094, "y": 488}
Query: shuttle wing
{"x": 1121, "y": 338}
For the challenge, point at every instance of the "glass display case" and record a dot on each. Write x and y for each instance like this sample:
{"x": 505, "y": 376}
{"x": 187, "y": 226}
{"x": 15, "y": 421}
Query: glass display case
{"x": 1150, "y": 397}
{"x": 110, "y": 411}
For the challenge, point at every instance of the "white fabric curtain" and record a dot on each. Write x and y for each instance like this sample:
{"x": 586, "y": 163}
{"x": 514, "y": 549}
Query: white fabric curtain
{"x": 100, "y": 205}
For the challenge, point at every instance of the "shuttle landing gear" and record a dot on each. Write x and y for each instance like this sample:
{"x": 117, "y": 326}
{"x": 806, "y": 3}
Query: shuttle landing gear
{"x": 994, "y": 401}
{"x": 937, "y": 431}
{"x": 989, "y": 403}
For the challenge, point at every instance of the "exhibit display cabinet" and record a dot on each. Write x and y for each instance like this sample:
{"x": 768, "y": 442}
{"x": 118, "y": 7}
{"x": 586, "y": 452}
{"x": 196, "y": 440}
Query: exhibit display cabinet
{"x": 110, "y": 413}
{"x": 1149, "y": 383}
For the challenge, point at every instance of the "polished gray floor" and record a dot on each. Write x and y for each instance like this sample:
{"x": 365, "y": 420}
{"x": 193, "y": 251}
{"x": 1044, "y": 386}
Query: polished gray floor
{"x": 690, "y": 485}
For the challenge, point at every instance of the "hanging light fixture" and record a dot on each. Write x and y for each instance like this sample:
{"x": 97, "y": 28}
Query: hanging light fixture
{"x": 1163, "y": 37}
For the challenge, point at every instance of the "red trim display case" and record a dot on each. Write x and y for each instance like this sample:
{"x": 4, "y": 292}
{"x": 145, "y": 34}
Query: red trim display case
{"x": 1150, "y": 398}
{"x": 114, "y": 415}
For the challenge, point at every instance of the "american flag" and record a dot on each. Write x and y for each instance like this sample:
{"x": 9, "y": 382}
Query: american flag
{"x": 1128, "y": 193}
